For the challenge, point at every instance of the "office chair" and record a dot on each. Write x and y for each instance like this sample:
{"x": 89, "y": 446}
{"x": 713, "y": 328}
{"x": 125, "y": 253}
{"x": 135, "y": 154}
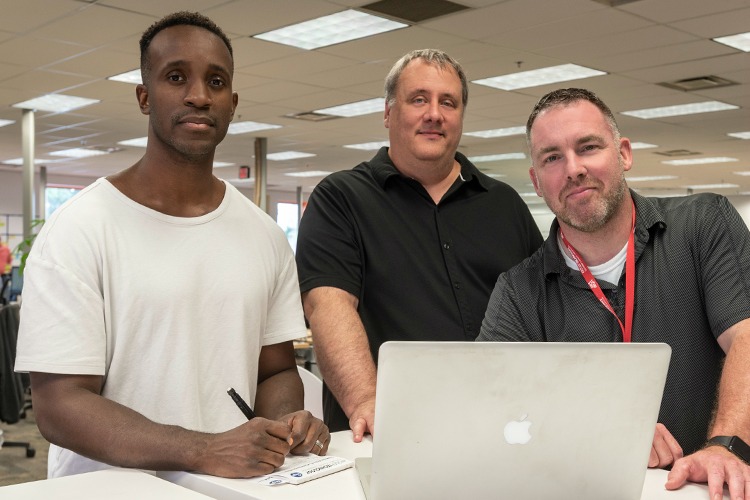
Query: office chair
{"x": 313, "y": 392}
{"x": 13, "y": 386}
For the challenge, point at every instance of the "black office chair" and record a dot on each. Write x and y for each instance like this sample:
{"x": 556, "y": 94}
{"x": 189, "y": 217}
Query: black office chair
{"x": 14, "y": 387}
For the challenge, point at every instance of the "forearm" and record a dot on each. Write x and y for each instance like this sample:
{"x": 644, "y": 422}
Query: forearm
{"x": 103, "y": 430}
{"x": 732, "y": 417}
{"x": 279, "y": 395}
{"x": 341, "y": 347}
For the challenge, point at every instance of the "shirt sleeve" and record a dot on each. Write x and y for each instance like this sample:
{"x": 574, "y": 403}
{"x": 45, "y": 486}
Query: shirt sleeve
{"x": 724, "y": 253}
{"x": 329, "y": 250}
{"x": 503, "y": 321}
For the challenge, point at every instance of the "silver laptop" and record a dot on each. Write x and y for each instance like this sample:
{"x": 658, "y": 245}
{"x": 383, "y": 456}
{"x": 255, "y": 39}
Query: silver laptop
{"x": 514, "y": 420}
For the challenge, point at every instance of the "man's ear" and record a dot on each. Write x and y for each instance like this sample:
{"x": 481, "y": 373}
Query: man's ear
{"x": 141, "y": 93}
{"x": 387, "y": 115}
{"x": 534, "y": 180}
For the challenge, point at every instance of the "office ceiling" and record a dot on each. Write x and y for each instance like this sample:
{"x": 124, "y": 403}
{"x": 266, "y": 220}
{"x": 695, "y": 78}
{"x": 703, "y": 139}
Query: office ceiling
{"x": 71, "y": 46}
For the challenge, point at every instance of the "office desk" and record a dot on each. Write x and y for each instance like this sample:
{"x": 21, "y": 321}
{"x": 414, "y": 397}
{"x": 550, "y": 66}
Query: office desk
{"x": 112, "y": 484}
{"x": 345, "y": 484}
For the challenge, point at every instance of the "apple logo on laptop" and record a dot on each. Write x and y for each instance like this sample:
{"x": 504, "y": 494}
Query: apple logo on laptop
{"x": 517, "y": 431}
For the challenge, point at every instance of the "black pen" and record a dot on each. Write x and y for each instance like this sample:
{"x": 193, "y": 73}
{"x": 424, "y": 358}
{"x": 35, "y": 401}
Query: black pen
{"x": 244, "y": 408}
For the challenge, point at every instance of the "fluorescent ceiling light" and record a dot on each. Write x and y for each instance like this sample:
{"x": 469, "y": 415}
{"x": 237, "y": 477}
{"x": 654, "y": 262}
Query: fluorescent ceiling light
{"x": 328, "y": 30}
{"x": 712, "y": 186}
{"x": 37, "y": 161}
{"x": 79, "y": 153}
{"x": 679, "y": 110}
{"x": 140, "y": 142}
{"x": 651, "y": 178}
{"x": 496, "y": 176}
{"x": 219, "y": 164}
{"x": 740, "y": 135}
{"x": 56, "y": 103}
{"x": 6, "y": 122}
{"x": 309, "y": 173}
{"x": 497, "y": 132}
{"x": 505, "y": 156}
{"x": 745, "y": 173}
{"x": 288, "y": 155}
{"x": 368, "y": 146}
{"x": 642, "y": 145}
{"x": 248, "y": 126}
{"x": 133, "y": 76}
{"x": 355, "y": 108}
{"x": 529, "y": 194}
{"x": 740, "y": 41}
{"x": 542, "y": 76}
{"x": 700, "y": 161}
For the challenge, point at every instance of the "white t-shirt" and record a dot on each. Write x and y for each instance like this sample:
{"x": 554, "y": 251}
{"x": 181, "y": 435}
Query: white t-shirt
{"x": 170, "y": 310}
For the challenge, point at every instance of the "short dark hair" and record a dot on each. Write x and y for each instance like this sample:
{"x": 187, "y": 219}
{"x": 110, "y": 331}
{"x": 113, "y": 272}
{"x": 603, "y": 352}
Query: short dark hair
{"x": 566, "y": 97}
{"x": 430, "y": 56}
{"x": 182, "y": 18}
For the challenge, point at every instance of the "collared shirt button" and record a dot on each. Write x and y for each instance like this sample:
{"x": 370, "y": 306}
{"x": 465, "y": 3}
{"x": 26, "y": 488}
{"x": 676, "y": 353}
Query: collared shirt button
{"x": 457, "y": 285}
{"x": 447, "y": 246}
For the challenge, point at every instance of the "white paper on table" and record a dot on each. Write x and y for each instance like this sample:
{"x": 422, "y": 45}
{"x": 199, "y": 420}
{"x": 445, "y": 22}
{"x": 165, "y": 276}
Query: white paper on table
{"x": 299, "y": 469}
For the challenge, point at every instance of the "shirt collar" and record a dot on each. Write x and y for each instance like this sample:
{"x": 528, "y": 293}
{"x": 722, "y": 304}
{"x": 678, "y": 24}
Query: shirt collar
{"x": 648, "y": 218}
{"x": 383, "y": 169}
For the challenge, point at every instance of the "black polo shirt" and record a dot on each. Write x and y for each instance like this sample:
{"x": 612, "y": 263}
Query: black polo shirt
{"x": 421, "y": 271}
{"x": 692, "y": 283}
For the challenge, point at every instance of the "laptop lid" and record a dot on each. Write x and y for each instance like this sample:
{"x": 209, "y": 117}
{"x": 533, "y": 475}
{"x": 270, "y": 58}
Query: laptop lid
{"x": 515, "y": 420}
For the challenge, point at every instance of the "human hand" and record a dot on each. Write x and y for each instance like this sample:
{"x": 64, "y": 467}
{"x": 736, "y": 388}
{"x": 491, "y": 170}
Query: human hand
{"x": 716, "y": 466}
{"x": 309, "y": 434}
{"x": 255, "y": 448}
{"x": 665, "y": 448}
{"x": 362, "y": 420}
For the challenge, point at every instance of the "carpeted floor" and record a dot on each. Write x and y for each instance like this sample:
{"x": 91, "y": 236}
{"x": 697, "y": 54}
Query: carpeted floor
{"x": 15, "y": 467}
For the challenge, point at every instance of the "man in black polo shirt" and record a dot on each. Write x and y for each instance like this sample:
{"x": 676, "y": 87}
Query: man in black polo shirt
{"x": 408, "y": 245}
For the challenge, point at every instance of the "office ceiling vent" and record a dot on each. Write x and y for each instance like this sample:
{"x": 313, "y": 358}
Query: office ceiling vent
{"x": 677, "y": 152}
{"x": 311, "y": 116}
{"x": 615, "y": 3}
{"x": 414, "y": 11}
{"x": 698, "y": 83}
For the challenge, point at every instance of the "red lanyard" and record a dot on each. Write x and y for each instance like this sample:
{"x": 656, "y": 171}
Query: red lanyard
{"x": 629, "y": 281}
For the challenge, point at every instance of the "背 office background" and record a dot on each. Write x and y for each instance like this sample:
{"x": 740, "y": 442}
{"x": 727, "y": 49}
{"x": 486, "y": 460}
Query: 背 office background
{"x": 652, "y": 53}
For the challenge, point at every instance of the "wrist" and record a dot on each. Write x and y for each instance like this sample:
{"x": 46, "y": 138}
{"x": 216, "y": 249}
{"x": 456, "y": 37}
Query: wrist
{"x": 734, "y": 444}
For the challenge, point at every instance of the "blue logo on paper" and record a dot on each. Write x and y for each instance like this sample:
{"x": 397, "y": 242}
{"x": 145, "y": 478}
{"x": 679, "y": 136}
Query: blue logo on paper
{"x": 276, "y": 481}
{"x": 296, "y": 474}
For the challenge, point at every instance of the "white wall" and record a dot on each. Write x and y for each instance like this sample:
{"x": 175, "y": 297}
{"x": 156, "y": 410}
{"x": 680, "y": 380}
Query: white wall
{"x": 11, "y": 186}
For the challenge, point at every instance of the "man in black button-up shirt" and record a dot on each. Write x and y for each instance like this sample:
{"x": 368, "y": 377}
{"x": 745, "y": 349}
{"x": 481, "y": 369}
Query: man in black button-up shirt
{"x": 691, "y": 283}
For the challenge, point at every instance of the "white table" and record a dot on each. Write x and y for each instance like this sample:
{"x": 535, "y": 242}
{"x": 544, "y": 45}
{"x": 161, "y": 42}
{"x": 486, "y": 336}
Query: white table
{"x": 345, "y": 484}
{"x": 112, "y": 484}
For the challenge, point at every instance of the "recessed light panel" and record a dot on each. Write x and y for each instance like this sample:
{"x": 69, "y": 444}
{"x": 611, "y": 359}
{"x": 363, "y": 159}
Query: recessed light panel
{"x": 6, "y": 122}
{"x": 542, "y": 76}
{"x": 140, "y": 142}
{"x": 368, "y": 146}
{"x": 713, "y": 186}
{"x": 700, "y": 161}
{"x": 642, "y": 145}
{"x": 133, "y": 76}
{"x": 497, "y": 132}
{"x": 679, "y": 110}
{"x": 740, "y": 41}
{"x": 328, "y": 30}
{"x": 56, "y": 103}
{"x": 740, "y": 135}
{"x": 309, "y": 173}
{"x": 498, "y": 157}
{"x": 79, "y": 153}
{"x": 355, "y": 108}
{"x": 288, "y": 155}
{"x": 651, "y": 178}
{"x": 248, "y": 126}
